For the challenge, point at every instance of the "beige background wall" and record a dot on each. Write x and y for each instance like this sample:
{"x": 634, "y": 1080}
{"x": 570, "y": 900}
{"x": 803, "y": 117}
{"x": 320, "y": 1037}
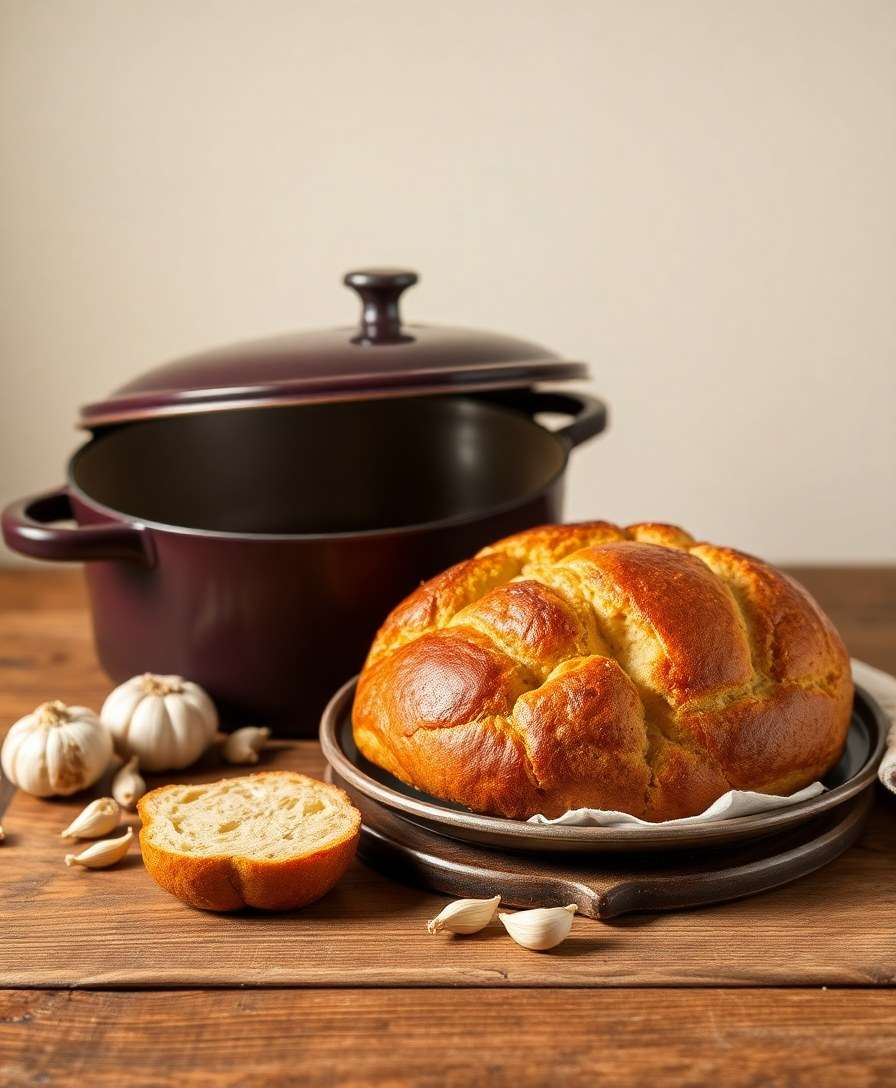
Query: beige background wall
{"x": 697, "y": 197}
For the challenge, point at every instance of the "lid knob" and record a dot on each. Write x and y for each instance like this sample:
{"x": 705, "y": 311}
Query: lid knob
{"x": 380, "y": 290}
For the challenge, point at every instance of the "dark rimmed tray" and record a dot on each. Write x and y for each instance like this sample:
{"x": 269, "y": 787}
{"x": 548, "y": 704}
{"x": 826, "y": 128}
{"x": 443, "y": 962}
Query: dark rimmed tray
{"x": 610, "y": 887}
{"x": 854, "y": 773}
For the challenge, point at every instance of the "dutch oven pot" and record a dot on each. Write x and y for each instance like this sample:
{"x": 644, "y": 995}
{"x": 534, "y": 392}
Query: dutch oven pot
{"x": 249, "y": 516}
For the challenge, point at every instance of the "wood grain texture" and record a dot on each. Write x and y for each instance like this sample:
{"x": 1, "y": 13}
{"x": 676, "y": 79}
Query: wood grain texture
{"x": 862, "y": 603}
{"x": 65, "y": 927}
{"x": 46, "y": 643}
{"x": 529, "y": 1022}
{"x": 116, "y": 928}
{"x": 439, "y": 1039}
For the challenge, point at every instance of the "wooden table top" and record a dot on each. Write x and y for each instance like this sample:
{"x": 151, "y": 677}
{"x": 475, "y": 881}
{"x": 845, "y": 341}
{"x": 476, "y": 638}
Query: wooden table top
{"x": 793, "y": 986}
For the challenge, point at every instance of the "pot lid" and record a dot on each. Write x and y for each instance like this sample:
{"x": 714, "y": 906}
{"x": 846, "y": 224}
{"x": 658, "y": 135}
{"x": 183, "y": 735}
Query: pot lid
{"x": 380, "y": 357}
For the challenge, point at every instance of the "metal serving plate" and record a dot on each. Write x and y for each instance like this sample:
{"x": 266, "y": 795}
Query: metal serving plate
{"x": 854, "y": 773}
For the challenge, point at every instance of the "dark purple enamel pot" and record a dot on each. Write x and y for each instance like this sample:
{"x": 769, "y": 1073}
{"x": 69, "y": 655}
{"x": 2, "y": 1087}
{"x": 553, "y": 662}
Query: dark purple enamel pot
{"x": 256, "y": 550}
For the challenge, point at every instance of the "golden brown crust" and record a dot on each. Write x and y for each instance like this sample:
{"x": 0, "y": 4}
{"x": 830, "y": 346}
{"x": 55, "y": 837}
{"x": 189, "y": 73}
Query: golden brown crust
{"x": 231, "y": 882}
{"x": 593, "y": 665}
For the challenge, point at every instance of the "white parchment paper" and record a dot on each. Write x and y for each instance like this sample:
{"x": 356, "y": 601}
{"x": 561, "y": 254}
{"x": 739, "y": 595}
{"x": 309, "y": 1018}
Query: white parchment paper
{"x": 883, "y": 687}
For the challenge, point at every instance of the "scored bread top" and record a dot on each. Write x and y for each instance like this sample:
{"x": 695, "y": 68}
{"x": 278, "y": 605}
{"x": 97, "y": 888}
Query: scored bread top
{"x": 269, "y": 816}
{"x": 597, "y": 666}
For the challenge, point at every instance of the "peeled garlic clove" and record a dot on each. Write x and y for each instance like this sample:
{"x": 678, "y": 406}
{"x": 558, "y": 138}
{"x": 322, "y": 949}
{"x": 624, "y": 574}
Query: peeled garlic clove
{"x": 465, "y": 916}
{"x": 244, "y": 745}
{"x": 539, "y": 929}
{"x": 102, "y": 854}
{"x": 99, "y": 818}
{"x": 128, "y": 785}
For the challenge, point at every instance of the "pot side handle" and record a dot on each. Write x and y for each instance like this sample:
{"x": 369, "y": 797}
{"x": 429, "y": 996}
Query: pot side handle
{"x": 589, "y": 413}
{"x": 27, "y": 529}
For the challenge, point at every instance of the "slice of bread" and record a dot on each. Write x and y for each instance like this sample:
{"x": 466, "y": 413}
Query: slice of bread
{"x": 275, "y": 840}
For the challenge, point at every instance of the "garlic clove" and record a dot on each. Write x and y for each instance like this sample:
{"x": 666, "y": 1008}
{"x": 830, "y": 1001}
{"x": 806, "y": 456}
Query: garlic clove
{"x": 128, "y": 785}
{"x": 99, "y": 818}
{"x": 102, "y": 854}
{"x": 539, "y": 929}
{"x": 243, "y": 745}
{"x": 465, "y": 916}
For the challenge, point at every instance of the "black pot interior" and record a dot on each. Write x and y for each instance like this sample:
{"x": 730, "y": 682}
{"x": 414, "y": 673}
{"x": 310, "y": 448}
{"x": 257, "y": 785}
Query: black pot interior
{"x": 321, "y": 468}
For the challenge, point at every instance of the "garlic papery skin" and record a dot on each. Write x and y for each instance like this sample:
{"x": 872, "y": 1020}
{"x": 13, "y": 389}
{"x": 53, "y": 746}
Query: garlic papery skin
{"x": 99, "y": 818}
{"x": 102, "y": 854}
{"x": 166, "y": 721}
{"x": 56, "y": 750}
{"x": 128, "y": 785}
{"x": 243, "y": 745}
{"x": 540, "y": 929}
{"x": 465, "y": 916}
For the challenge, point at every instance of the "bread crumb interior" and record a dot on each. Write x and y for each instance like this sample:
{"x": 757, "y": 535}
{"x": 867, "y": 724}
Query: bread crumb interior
{"x": 268, "y": 818}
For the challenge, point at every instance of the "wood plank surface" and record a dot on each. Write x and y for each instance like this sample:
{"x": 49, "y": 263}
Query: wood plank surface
{"x": 116, "y": 927}
{"x": 532, "y": 1020}
{"x": 439, "y": 1039}
{"x": 46, "y": 643}
{"x": 862, "y": 603}
{"x": 71, "y": 928}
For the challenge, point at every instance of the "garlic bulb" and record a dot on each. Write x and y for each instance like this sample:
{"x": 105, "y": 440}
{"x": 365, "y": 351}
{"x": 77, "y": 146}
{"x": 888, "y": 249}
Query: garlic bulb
{"x": 99, "y": 818}
{"x": 56, "y": 750}
{"x": 465, "y": 916}
{"x": 102, "y": 854}
{"x": 540, "y": 929}
{"x": 243, "y": 745}
{"x": 128, "y": 785}
{"x": 166, "y": 721}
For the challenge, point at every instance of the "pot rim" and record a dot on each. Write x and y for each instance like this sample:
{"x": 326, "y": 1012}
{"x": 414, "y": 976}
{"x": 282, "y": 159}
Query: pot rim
{"x": 414, "y": 528}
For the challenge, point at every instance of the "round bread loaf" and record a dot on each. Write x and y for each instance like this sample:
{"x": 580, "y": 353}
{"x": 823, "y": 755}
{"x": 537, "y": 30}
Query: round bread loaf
{"x": 589, "y": 665}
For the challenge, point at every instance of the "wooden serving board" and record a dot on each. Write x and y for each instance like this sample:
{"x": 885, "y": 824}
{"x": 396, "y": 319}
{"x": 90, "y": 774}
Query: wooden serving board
{"x": 611, "y": 885}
